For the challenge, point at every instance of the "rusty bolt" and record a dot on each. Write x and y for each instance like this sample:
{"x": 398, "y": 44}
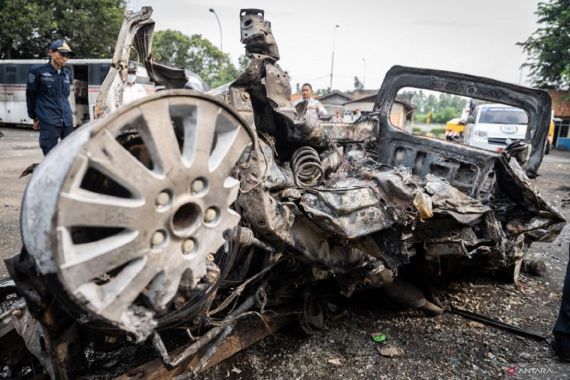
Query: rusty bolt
{"x": 212, "y": 277}
{"x": 210, "y": 215}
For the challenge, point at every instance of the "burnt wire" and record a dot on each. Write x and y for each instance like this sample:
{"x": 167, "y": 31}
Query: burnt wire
{"x": 239, "y": 290}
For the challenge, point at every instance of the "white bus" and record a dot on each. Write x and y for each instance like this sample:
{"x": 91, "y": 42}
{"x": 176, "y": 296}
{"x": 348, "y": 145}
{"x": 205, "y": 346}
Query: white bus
{"x": 88, "y": 75}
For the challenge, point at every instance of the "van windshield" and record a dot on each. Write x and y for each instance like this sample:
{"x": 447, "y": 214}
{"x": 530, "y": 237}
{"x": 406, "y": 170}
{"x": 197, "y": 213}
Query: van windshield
{"x": 503, "y": 116}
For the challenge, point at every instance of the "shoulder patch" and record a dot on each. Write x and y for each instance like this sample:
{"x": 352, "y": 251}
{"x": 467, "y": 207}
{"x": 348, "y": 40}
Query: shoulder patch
{"x": 31, "y": 77}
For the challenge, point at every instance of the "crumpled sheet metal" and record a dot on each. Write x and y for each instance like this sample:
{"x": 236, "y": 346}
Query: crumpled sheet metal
{"x": 360, "y": 200}
{"x": 449, "y": 200}
{"x": 542, "y": 222}
{"x": 347, "y": 212}
{"x": 364, "y": 197}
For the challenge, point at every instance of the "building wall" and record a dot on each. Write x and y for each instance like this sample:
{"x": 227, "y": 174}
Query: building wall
{"x": 335, "y": 99}
{"x": 397, "y": 115}
{"x": 363, "y": 106}
{"x": 561, "y": 110}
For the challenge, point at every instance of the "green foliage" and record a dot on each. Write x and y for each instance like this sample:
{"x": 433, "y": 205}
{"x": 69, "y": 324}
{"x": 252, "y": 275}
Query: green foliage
{"x": 416, "y": 131}
{"x": 437, "y": 131}
{"x": 548, "y": 47}
{"x": 440, "y": 107}
{"x": 421, "y": 118}
{"x": 29, "y": 26}
{"x": 194, "y": 53}
{"x": 243, "y": 62}
{"x": 442, "y": 116}
{"x": 321, "y": 92}
{"x": 171, "y": 47}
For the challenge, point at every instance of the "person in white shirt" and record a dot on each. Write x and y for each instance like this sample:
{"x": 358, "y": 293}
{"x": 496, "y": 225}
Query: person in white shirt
{"x": 337, "y": 118}
{"x": 313, "y": 105}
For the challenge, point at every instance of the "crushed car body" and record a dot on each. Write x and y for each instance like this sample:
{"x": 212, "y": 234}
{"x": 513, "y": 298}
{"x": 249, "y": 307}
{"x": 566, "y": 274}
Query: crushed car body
{"x": 164, "y": 224}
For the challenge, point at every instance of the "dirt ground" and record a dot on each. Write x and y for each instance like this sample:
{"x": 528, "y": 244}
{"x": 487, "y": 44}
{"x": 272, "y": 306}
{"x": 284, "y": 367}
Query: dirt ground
{"x": 416, "y": 346}
{"x": 18, "y": 149}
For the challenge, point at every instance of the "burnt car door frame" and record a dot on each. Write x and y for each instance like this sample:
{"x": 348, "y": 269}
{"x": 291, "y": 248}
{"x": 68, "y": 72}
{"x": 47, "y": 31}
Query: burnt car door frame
{"x": 465, "y": 167}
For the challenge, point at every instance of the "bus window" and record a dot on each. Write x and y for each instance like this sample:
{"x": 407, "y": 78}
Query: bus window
{"x": 80, "y": 89}
{"x": 80, "y": 94}
{"x": 23, "y": 73}
{"x": 97, "y": 73}
{"x": 11, "y": 74}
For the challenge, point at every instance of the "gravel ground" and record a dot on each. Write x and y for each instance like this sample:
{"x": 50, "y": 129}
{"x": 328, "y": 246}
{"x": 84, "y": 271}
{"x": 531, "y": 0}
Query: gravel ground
{"x": 417, "y": 346}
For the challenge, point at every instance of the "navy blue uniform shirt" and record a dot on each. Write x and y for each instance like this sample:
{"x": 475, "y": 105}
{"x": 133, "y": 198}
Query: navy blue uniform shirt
{"x": 47, "y": 94}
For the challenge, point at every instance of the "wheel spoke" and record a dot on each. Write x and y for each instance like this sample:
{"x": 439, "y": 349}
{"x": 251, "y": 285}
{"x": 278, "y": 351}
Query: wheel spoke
{"x": 229, "y": 149}
{"x": 163, "y": 288}
{"x": 204, "y": 134}
{"x": 89, "y": 260}
{"x": 231, "y": 185}
{"x": 158, "y": 134}
{"x": 86, "y": 208}
{"x": 113, "y": 160}
{"x": 121, "y": 291}
{"x": 230, "y": 220}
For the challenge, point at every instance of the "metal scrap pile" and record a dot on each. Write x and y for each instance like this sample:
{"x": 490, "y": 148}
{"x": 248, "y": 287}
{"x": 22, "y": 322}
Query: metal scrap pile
{"x": 163, "y": 225}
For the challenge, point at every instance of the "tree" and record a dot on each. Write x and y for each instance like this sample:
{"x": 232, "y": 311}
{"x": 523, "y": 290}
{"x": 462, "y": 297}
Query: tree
{"x": 358, "y": 85}
{"x": 243, "y": 62}
{"x": 91, "y": 27}
{"x": 194, "y": 53}
{"x": 321, "y": 92}
{"x": 432, "y": 108}
{"x": 548, "y": 48}
{"x": 29, "y": 26}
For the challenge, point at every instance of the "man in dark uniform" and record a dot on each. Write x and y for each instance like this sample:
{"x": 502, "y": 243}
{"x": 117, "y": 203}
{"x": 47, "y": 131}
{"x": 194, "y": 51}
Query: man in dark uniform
{"x": 47, "y": 93}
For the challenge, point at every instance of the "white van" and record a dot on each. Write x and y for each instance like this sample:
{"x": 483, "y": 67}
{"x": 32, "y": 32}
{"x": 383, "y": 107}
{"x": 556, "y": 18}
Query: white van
{"x": 494, "y": 126}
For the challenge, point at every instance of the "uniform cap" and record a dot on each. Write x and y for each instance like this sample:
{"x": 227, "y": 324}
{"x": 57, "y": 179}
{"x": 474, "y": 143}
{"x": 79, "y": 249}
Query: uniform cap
{"x": 61, "y": 46}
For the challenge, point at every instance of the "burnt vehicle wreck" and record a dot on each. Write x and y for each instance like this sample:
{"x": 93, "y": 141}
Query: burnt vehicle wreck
{"x": 161, "y": 227}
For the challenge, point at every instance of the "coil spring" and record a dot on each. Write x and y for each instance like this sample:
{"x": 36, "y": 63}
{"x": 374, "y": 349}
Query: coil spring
{"x": 307, "y": 167}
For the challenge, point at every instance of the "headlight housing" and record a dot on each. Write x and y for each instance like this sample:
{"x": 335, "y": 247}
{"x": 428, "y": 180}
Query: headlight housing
{"x": 480, "y": 133}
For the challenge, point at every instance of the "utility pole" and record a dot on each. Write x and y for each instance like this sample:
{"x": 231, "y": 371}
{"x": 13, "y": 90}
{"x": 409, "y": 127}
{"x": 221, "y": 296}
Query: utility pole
{"x": 364, "y": 74}
{"x": 332, "y": 59}
{"x": 219, "y": 27}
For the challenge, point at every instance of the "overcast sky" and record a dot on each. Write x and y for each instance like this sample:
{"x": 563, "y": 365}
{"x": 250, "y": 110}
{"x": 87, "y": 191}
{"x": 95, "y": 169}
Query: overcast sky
{"x": 473, "y": 37}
